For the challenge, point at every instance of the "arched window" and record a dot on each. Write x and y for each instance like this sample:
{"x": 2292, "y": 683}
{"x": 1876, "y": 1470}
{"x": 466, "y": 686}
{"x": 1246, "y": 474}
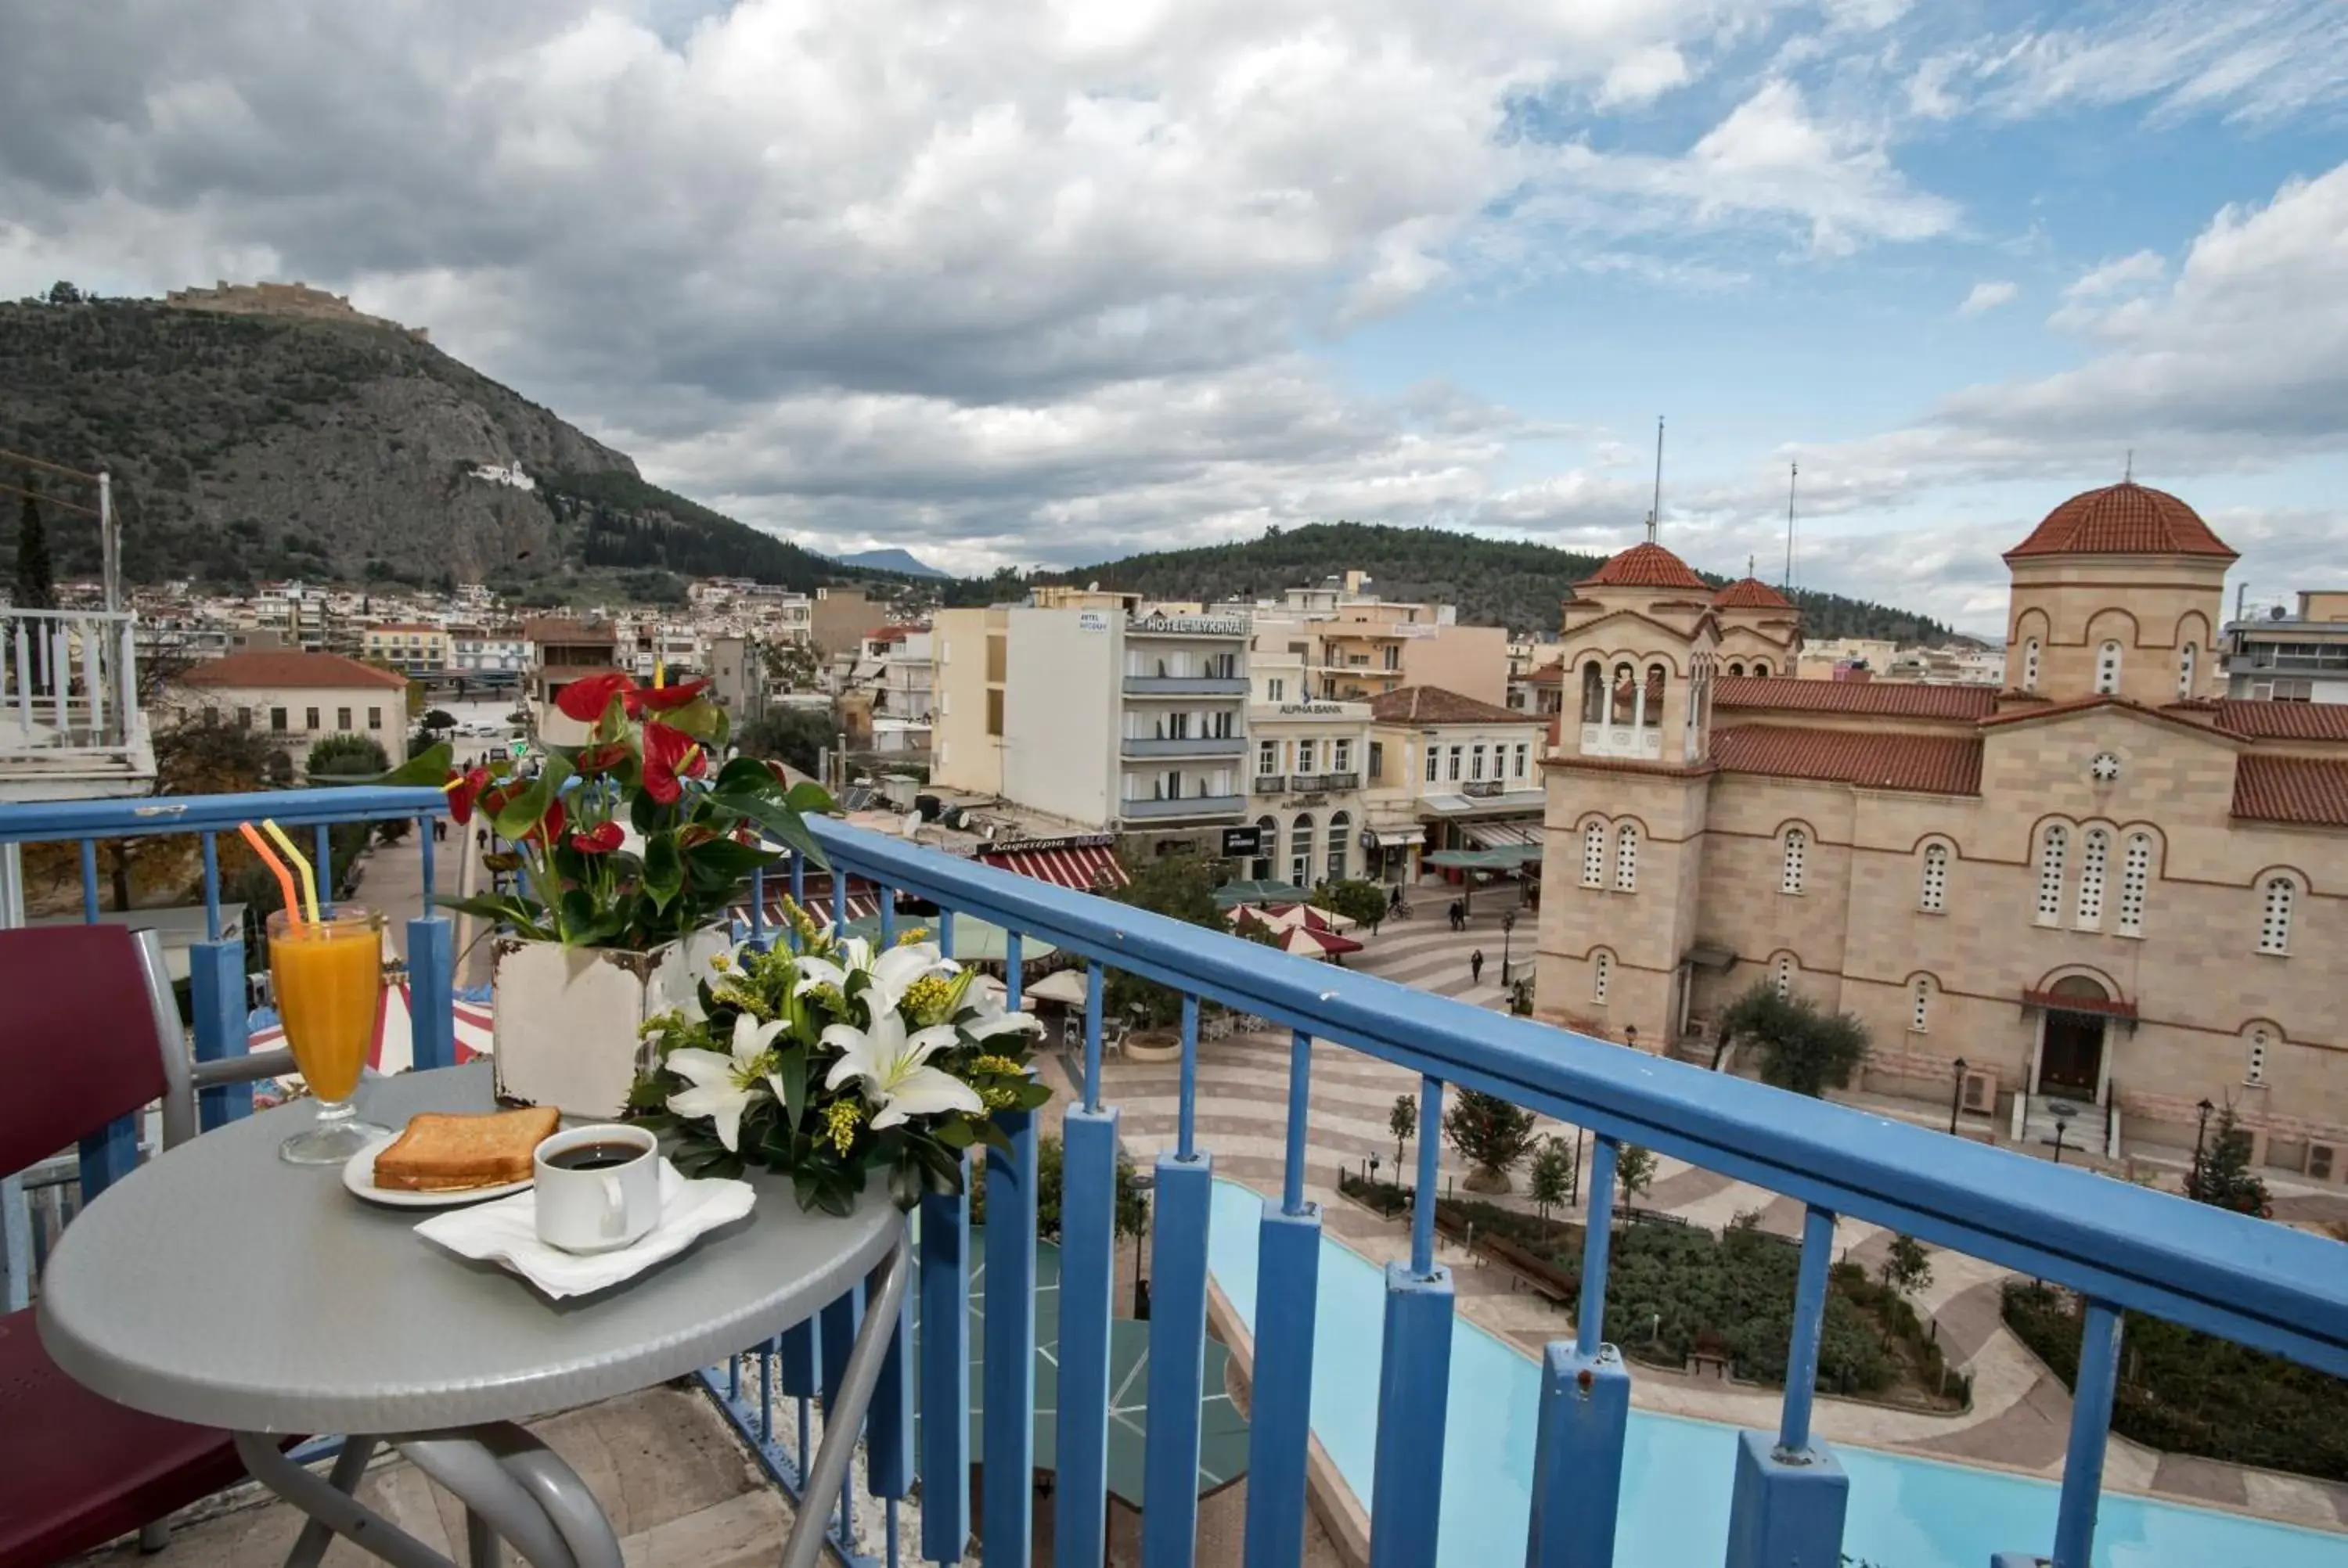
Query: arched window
{"x": 1602, "y": 974}
{"x": 1919, "y": 1006}
{"x": 2054, "y": 849}
{"x": 1341, "y": 831}
{"x": 2108, "y": 668}
{"x": 2095, "y": 855}
{"x": 1300, "y": 850}
{"x": 1782, "y": 976}
{"x": 2030, "y": 665}
{"x": 1622, "y": 699}
{"x": 1626, "y": 857}
{"x": 2187, "y": 658}
{"x": 1736, "y": 667}
{"x": 1798, "y": 844}
{"x": 2254, "y": 1058}
{"x": 1935, "y": 895}
{"x": 1593, "y": 693}
{"x": 1267, "y": 845}
{"x": 2274, "y": 927}
{"x": 1760, "y": 667}
{"x": 1650, "y": 706}
{"x": 1594, "y": 854}
{"x": 2136, "y": 872}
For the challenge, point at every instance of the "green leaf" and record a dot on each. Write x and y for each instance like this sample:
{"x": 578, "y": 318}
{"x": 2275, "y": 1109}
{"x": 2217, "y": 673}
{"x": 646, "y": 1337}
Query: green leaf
{"x": 728, "y": 859}
{"x": 811, "y": 798}
{"x": 702, "y": 719}
{"x": 663, "y": 870}
{"x": 792, "y": 1070}
{"x": 428, "y": 766}
{"x": 781, "y": 822}
{"x": 742, "y": 775}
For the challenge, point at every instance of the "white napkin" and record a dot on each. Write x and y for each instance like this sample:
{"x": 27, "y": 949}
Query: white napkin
{"x": 506, "y": 1232}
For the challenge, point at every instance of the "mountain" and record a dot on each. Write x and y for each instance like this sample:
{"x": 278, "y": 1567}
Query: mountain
{"x": 327, "y": 445}
{"x": 1494, "y": 582}
{"x": 905, "y": 563}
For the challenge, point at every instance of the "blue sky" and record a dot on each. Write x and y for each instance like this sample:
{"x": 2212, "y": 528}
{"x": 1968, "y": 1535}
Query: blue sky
{"x": 1048, "y": 281}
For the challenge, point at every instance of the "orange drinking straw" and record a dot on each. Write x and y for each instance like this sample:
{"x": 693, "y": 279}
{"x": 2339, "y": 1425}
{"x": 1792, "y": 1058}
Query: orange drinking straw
{"x": 285, "y": 877}
{"x": 300, "y": 865}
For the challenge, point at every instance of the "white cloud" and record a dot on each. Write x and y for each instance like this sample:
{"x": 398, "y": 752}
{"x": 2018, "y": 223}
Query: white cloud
{"x": 1987, "y": 296}
{"x": 1642, "y": 76}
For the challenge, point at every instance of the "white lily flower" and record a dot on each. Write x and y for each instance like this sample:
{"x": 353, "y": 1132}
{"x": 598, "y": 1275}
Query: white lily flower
{"x": 899, "y": 1082}
{"x": 855, "y": 955}
{"x": 991, "y": 1020}
{"x": 725, "y": 1086}
{"x": 888, "y": 972}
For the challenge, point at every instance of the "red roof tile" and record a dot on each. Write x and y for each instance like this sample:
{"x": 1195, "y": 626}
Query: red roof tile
{"x": 2282, "y": 720}
{"x": 1434, "y": 705}
{"x": 1647, "y": 565}
{"x": 2312, "y": 791}
{"x": 289, "y": 668}
{"x": 1750, "y": 593}
{"x": 1882, "y": 698}
{"x": 1935, "y": 764}
{"x": 2125, "y": 519}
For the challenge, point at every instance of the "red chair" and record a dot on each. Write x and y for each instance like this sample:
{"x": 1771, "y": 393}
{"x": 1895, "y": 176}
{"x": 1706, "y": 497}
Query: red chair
{"x": 89, "y": 1034}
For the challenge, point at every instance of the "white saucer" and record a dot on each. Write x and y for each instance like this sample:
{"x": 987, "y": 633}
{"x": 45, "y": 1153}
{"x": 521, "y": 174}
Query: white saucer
{"x": 358, "y": 1175}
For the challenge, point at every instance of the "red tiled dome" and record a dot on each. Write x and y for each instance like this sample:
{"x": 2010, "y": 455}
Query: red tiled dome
{"x": 1750, "y": 593}
{"x": 2123, "y": 519}
{"x": 1647, "y": 565}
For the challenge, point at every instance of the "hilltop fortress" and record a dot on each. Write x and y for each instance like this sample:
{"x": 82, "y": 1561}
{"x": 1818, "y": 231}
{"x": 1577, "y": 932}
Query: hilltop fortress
{"x": 296, "y": 299}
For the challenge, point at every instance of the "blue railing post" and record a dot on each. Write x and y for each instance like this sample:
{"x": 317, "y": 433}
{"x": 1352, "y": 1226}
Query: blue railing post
{"x": 1087, "y": 1282}
{"x": 1178, "y": 1344}
{"x": 1790, "y": 1496}
{"x": 1288, "y": 1284}
{"x": 216, "y": 993}
{"x": 945, "y": 1371}
{"x": 1585, "y": 1411}
{"x": 431, "y": 974}
{"x": 2091, "y": 1420}
{"x": 1010, "y": 1393}
{"x": 89, "y": 881}
{"x": 1414, "y": 1376}
{"x": 888, "y": 1427}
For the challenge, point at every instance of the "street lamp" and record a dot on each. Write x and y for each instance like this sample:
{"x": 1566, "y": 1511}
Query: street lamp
{"x": 1508, "y": 924}
{"x": 1957, "y": 1095}
{"x": 2201, "y": 1131}
{"x": 2063, "y": 1111}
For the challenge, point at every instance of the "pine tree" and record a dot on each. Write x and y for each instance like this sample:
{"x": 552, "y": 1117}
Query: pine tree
{"x": 1492, "y": 1134}
{"x": 36, "y": 586}
{"x": 2222, "y": 1174}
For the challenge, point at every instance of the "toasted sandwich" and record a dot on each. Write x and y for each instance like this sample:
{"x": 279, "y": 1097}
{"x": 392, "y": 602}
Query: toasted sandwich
{"x": 444, "y": 1154}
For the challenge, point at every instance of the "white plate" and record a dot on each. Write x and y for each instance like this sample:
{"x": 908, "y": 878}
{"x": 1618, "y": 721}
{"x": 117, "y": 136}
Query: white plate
{"x": 358, "y": 1175}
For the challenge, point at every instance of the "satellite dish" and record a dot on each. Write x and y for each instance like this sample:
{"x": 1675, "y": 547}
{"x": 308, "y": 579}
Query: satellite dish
{"x": 913, "y": 823}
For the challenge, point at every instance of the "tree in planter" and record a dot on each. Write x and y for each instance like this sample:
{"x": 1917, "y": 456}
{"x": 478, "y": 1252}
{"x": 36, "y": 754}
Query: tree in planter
{"x": 1364, "y": 902}
{"x": 1553, "y": 1177}
{"x": 1402, "y": 1123}
{"x": 1803, "y": 1048}
{"x": 1492, "y": 1134}
{"x": 1634, "y": 1172}
{"x": 2222, "y": 1174}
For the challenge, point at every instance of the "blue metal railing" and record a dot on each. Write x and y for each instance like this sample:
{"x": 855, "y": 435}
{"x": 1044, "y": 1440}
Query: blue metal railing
{"x": 2121, "y": 1247}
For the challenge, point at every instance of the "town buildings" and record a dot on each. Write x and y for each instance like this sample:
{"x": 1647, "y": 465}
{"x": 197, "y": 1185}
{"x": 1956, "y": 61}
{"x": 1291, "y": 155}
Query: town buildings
{"x": 2291, "y": 654}
{"x": 1356, "y": 645}
{"x": 1307, "y": 756}
{"x": 411, "y": 647}
{"x": 2102, "y": 896}
{"x": 1450, "y": 773}
{"x": 562, "y": 652}
{"x": 299, "y": 699}
{"x": 488, "y": 651}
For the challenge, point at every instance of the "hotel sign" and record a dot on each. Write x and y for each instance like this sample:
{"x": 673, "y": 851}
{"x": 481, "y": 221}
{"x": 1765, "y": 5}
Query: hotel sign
{"x": 1211, "y": 625}
{"x": 1091, "y": 621}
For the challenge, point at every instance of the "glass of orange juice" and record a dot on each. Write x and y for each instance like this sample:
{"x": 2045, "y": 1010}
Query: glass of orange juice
{"x": 328, "y": 976}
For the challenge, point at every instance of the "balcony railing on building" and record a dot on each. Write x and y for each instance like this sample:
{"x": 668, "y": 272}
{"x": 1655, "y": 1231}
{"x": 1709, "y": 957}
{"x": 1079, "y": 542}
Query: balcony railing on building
{"x": 69, "y": 694}
{"x": 2120, "y": 1247}
{"x": 1183, "y": 745}
{"x": 1271, "y": 783}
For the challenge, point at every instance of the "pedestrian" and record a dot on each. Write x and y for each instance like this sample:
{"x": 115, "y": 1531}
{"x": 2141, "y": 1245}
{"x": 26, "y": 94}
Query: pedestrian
{"x": 481, "y": 839}
{"x": 1475, "y": 967}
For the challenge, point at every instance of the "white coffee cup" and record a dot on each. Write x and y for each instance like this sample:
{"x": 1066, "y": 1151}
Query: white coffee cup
{"x": 588, "y": 1203}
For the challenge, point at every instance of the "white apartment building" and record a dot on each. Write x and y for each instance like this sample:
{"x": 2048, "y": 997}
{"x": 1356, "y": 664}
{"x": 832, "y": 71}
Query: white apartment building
{"x": 474, "y": 650}
{"x": 1101, "y": 713}
{"x": 1306, "y": 762}
{"x": 2293, "y": 653}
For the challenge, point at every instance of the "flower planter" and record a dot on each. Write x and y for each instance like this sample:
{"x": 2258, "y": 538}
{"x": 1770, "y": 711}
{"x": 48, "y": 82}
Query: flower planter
{"x": 1154, "y": 1045}
{"x": 568, "y": 1021}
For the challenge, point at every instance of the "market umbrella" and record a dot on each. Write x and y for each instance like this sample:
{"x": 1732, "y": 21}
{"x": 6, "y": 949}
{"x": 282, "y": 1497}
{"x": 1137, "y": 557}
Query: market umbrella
{"x": 1307, "y": 914}
{"x": 1305, "y": 942}
{"x": 1256, "y": 891}
{"x": 1223, "y": 1430}
{"x": 1063, "y": 985}
{"x": 974, "y": 940}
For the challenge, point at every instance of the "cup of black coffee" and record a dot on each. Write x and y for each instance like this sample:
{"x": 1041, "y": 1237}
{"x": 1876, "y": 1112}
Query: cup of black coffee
{"x": 597, "y": 1187}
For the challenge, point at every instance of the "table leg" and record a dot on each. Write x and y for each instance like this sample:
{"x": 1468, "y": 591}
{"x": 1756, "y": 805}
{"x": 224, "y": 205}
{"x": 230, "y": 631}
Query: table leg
{"x": 338, "y": 1511}
{"x": 845, "y": 1418}
{"x": 350, "y": 1467}
{"x": 480, "y": 1541}
{"x": 532, "y": 1500}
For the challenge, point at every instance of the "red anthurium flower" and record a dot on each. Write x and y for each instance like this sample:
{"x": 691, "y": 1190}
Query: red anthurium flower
{"x": 643, "y": 700}
{"x": 585, "y": 700}
{"x": 549, "y": 828}
{"x": 463, "y": 790}
{"x": 602, "y": 839}
{"x": 670, "y": 756}
{"x": 597, "y": 759}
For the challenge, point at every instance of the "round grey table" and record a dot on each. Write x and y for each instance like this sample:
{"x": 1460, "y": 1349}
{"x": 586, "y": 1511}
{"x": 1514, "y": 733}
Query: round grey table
{"x": 220, "y": 1285}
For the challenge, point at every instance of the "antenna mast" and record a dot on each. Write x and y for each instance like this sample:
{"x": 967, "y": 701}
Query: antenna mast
{"x": 1793, "y": 476}
{"x": 1655, "y": 514}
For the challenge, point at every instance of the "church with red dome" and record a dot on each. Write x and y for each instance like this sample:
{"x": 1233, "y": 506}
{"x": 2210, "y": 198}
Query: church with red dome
{"x": 2095, "y": 897}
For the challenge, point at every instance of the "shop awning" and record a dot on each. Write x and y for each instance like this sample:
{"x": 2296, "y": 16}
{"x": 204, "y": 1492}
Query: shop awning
{"x": 1398, "y": 838}
{"x": 1504, "y": 834}
{"x": 1083, "y": 863}
{"x": 863, "y": 901}
{"x": 1507, "y": 860}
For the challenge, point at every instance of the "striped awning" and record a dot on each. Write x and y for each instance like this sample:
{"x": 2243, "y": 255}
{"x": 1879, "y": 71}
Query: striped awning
{"x": 1503, "y": 835}
{"x": 1081, "y": 864}
{"x": 863, "y": 901}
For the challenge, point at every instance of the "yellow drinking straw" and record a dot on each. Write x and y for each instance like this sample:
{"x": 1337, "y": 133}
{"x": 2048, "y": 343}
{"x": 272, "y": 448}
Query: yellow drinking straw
{"x": 309, "y": 877}
{"x": 285, "y": 877}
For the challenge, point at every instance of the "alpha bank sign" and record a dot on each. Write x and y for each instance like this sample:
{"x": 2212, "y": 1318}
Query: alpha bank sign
{"x": 1312, "y": 710}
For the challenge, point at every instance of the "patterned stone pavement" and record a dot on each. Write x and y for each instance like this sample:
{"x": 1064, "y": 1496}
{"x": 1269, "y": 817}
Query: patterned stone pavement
{"x": 2021, "y": 1413}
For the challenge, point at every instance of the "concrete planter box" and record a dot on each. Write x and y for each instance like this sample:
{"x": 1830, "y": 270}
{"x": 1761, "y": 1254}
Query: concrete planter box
{"x": 566, "y": 1020}
{"x": 1154, "y": 1045}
